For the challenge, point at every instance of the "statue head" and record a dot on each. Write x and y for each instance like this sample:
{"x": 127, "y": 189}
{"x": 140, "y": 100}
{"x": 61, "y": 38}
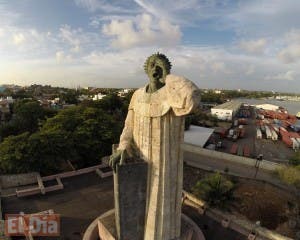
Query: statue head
{"x": 157, "y": 67}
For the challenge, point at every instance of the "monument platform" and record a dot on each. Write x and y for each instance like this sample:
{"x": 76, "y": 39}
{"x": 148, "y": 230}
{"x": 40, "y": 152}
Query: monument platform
{"x": 105, "y": 225}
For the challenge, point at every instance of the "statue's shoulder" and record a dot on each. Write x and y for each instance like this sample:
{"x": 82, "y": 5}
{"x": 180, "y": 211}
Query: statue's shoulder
{"x": 174, "y": 82}
{"x": 136, "y": 95}
{"x": 182, "y": 94}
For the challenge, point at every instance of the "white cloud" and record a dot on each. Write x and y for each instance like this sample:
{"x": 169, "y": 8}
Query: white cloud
{"x": 219, "y": 67}
{"x": 143, "y": 31}
{"x": 62, "y": 57}
{"x": 263, "y": 18}
{"x": 289, "y": 76}
{"x": 70, "y": 36}
{"x": 290, "y": 53}
{"x": 2, "y": 32}
{"x": 254, "y": 46}
{"x": 18, "y": 38}
{"x": 250, "y": 70}
{"x": 104, "y": 6}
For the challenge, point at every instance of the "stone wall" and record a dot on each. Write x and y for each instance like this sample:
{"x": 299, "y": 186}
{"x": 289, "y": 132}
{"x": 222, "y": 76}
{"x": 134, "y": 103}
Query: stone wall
{"x": 265, "y": 165}
{"x": 15, "y": 180}
{"x": 228, "y": 220}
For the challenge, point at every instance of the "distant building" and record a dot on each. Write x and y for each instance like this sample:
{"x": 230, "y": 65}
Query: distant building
{"x": 218, "y": 91}
{"x": 197, "y": 135}
{"x": 83, "y": 97}
{"x": 124, "y": 92}
{"x": 267, "y": 107}
{"x": 2, "y": 89}
{"x": 98, "y": 96}
{"x": 226, "y": 111}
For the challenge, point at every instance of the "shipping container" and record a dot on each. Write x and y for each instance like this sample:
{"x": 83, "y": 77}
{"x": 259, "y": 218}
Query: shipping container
{"x": 242, "y": 132}
{"x": 295, "y": 144}
{"x": 268, "y": 133}
{"x": 274, "y": 135}
{"x": 276, "y": 128}
{"x": 240, "y": 151}
{"x": 246, "y": 151}
{"x": 258, "y": 134}
{"x": 235, "y": 123}
{"x": 235, "y": 136}
{"x": 293, "y": 135}
{"x": 221, "y": 131}
{"x": 287, "y": 141}
{"x": 211, "y": 147}
{"x": 233, "y": 148}
{"x": 243, "y": 121}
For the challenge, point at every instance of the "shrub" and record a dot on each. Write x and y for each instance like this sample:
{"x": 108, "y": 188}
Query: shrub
{"x": 295, "y": 160}
{"x": 289, "y": 175}
{"x": 215, "y": 189}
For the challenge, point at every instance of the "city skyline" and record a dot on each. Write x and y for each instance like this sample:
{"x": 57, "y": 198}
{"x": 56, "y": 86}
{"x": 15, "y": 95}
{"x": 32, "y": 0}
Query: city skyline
{"x": 252, "y": 45}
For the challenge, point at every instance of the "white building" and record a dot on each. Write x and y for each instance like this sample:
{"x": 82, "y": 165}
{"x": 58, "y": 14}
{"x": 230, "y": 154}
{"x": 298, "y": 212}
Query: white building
{"x": 123, "y": 92}
{"x": 267, "y": 107}
{"x": 197, "y": 135}
{"x": 226, "y": 111}
{"x": 98, "y": 96}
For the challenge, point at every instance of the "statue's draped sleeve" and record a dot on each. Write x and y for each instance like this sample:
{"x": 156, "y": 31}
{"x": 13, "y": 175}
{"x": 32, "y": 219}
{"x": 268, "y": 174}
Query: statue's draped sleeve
{"x": 127, "y": 134}
{"x": 183, "y": 95}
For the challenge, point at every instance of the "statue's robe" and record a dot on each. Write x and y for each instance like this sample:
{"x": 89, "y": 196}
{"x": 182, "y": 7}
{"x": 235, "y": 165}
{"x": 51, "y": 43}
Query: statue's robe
{"x": 154, "y": 130}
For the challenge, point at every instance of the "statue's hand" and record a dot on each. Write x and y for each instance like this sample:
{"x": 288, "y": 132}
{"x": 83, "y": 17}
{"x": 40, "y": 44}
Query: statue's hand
{"x": 118, "y": 157}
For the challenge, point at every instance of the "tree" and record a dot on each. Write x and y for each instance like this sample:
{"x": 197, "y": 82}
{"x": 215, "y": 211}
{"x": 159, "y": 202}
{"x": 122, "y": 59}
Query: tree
{"x": 215, "y": 189}
{"x": 13, "y": 156}
{"x": 295, "y": 160}
{"x": 27, "y": 117}
{"x": 82, "y": 134}
{"x": 69, "y": 96}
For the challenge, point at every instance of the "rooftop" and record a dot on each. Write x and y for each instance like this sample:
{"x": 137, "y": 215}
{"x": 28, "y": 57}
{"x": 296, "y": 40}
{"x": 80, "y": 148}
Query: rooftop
{"x": 232, "y": 105}
{"x": 83, "y": 199}
{"x": 197, "y": 135}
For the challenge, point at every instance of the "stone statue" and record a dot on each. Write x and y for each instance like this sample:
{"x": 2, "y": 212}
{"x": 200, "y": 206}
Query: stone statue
{"x": 153, "y": 132}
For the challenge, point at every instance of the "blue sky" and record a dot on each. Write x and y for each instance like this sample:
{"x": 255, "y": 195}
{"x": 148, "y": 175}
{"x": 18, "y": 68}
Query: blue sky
{"x": 218, "y": 44}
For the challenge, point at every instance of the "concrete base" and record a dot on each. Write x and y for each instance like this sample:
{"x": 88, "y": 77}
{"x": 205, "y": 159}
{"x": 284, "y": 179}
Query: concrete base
{"x": 107, "y": 229}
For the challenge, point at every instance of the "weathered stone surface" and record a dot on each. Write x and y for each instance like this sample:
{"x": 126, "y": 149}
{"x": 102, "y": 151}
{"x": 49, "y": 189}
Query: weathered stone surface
{"x": 107, "y": 230}
{"x": 156, "y": 128}
{"x": 153, "y": 132}
{"x": 130, "y": 186}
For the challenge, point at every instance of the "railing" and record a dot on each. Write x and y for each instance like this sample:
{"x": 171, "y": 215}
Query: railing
{"x": 244, "y": 227}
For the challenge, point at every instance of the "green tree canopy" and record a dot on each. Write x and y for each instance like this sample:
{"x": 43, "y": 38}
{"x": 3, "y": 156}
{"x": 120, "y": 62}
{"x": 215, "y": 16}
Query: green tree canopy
{"x": 215, "y": 189}
{"x": 82, "y": 134}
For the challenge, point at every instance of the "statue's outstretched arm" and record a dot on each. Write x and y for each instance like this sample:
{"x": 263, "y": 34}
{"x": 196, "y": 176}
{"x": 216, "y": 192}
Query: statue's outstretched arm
{"x": 123, "y": 151}
{"x": 127, "y": 134}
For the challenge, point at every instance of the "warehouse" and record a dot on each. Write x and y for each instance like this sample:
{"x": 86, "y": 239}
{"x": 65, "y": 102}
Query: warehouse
{"x": 267, "y": 107}
{"x": 226, "y": 111}
{"x": 197, "y": 135}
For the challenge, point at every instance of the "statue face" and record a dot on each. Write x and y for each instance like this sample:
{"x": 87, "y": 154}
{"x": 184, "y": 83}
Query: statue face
{"x": 156, "y": 71}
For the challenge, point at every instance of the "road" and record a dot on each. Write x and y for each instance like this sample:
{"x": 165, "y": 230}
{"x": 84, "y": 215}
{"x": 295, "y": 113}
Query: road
{"x": 209, "y": 163}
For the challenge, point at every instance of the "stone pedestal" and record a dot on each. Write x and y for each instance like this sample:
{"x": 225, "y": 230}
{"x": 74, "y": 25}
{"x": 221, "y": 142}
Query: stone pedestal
{"x": 130, "y": 187}
{"x": 107, "y": 228}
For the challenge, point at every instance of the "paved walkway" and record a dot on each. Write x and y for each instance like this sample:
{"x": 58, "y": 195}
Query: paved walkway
{"x": 213, "y": 164}
{"x": 84, "y": 198}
